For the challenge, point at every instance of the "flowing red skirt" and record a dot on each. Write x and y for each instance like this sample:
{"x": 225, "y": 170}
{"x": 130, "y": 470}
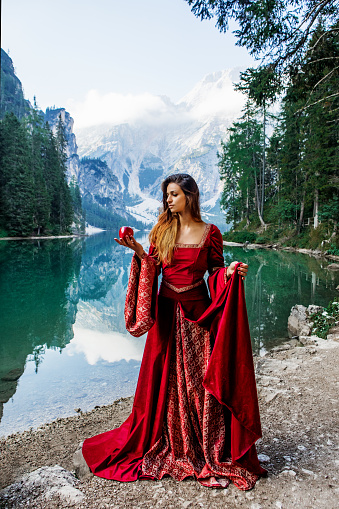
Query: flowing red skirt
{"x": 195, "y": 438}
{"x": 195, "y": 410}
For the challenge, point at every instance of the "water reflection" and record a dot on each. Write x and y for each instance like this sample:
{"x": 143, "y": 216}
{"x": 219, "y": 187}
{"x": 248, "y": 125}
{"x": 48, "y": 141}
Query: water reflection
{"x": 68, "y": 296}
{"x": 107, "y": 346}
{"x": 58, "y": 293}
{"x": 277, "y": 280}
{"x": 38, "y": 298}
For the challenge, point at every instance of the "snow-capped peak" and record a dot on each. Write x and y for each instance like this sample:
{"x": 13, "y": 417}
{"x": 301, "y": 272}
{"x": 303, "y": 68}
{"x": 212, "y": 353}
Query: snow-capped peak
{"x": 214, "y": 96}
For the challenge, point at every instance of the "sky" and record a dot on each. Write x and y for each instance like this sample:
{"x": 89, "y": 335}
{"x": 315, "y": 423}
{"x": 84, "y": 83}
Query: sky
{"x": 83, "y": 54}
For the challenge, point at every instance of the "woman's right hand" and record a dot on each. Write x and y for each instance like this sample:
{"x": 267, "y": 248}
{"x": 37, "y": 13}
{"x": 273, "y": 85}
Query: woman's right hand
{"x": 132, "y": 244}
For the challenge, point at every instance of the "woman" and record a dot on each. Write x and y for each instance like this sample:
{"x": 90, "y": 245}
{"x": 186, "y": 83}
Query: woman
{"x": 195, "y": 410}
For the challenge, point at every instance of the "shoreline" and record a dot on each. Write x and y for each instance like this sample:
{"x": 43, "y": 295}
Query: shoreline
{"x": 312, "y": 252}
{"x": 297, "y": 448}
{"x": 46, "y": 237}
{"x": 275, "y": 247}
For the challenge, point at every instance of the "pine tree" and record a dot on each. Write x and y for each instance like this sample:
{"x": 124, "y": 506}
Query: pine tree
{"x": 62, "y": 199}
{"x": 16, "y": 185}
{"x": 38, "y": 140}
{"x": 240, "y": 165}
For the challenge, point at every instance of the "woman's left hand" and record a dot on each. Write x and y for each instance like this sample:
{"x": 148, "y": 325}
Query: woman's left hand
{"x": 242, "y": 269}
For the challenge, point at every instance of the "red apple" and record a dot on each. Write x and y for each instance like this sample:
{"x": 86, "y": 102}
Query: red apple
{"x": 126, "y": 231}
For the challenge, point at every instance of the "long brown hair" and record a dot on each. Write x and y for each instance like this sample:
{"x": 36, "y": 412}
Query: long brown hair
{"x": 164, "y": 233}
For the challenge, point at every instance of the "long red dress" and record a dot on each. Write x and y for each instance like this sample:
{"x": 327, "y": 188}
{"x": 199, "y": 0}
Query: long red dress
{"x": 195, "y": 410}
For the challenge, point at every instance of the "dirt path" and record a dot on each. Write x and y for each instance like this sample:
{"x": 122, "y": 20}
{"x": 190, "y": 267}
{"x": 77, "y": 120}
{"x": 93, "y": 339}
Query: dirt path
{"x": 298, "y": 388}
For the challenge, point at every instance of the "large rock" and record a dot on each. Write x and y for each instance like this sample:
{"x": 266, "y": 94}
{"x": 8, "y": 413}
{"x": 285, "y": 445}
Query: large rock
{"x": 42, "y": 486}
{"x": 299, "y": 322}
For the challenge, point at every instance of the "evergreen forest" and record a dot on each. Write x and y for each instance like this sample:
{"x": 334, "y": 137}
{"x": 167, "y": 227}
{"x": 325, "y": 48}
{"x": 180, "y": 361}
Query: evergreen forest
{"x": 279, "y": 161}
{"x": 35, "y": 198}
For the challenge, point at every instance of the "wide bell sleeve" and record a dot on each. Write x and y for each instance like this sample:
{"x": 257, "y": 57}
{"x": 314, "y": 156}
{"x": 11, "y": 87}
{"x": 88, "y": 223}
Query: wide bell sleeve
{"x": 141, "y": 296}
{"x": 216, "y": 264}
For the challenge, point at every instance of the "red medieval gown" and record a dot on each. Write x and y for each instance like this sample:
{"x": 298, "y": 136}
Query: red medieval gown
{"x": 195, "y": 410}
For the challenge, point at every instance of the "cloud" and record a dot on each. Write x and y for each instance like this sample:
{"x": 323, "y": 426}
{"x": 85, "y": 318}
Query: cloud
{"x": 213, "y": 96}
{"x": 114, "y": 108}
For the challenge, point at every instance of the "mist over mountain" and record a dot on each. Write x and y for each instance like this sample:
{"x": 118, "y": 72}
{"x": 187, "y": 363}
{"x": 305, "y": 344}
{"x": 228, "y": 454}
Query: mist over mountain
{"x": 163, "y": 139}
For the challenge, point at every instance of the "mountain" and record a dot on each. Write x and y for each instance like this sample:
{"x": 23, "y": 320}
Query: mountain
{"x": 101, "y": 193}
{"x": 11, "y": 97}
{"x": 119, "y": 167}
{"x": 183, "y": 137}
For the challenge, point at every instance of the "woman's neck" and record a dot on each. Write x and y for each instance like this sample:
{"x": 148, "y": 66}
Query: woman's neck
{"x": 185, "y": 219}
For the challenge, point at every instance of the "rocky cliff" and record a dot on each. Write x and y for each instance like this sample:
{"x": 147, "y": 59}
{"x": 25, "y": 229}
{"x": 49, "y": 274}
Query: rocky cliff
{"x": 11, "y": 97}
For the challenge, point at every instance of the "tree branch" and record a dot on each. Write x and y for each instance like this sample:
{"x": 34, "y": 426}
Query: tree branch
{"x": 318, "y": 83}
{"x": 317, "y": 102}
{"x": 323, "y": 35}
{"x": 321, "y": 60}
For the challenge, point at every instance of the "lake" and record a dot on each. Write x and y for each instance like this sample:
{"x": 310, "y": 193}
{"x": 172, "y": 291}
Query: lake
{"x": 63, "y": 343}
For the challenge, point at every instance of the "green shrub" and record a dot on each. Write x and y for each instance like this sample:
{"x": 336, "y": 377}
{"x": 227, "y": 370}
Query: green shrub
{"x": 317, "y": 235}
{"x": 241, "y": 237}
{"x": 333, "y": 250}
{"x": 324, "y": 320}
{"x": 264, "y": 238}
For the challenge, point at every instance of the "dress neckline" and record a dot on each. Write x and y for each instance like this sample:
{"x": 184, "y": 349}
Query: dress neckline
{"x": 202, "y": 241}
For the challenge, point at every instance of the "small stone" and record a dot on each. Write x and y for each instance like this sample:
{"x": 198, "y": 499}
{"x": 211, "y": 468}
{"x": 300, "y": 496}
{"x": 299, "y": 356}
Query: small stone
{"x": 289, "y": 472}
{"x": 309, "y": 340}
{"x": 308, "y": 472}
{"x": 263, "y": 458}
{"x": 187, "y": 503}
{"x": 301, "y": 448}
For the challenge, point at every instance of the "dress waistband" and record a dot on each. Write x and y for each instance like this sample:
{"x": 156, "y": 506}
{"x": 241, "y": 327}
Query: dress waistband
{"x": 184, "y": 288}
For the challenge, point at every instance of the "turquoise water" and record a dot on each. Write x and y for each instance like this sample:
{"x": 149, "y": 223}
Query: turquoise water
{"x": 63, "y": 344}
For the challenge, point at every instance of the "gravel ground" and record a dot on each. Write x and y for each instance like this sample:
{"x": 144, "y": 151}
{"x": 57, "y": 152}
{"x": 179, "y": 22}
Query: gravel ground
{"x": 298, "y": 388}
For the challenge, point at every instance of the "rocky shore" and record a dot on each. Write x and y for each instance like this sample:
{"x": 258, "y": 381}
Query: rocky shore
{"x": 312, "y": 252}
{"x": 298, "y": 397}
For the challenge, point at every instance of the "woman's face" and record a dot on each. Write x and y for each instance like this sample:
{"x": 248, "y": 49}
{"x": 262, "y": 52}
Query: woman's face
{"x": 175, "y": 198}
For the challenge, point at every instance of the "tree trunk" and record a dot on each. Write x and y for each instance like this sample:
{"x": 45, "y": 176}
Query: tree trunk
{"x": 247, "y": 206}
{"x": 263, "y": 166}
{"x": 316, "y": 208}
{"x": 263, "y": 224}
{"x": 301, "y": 216}
{"x": 335, "y": 227}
